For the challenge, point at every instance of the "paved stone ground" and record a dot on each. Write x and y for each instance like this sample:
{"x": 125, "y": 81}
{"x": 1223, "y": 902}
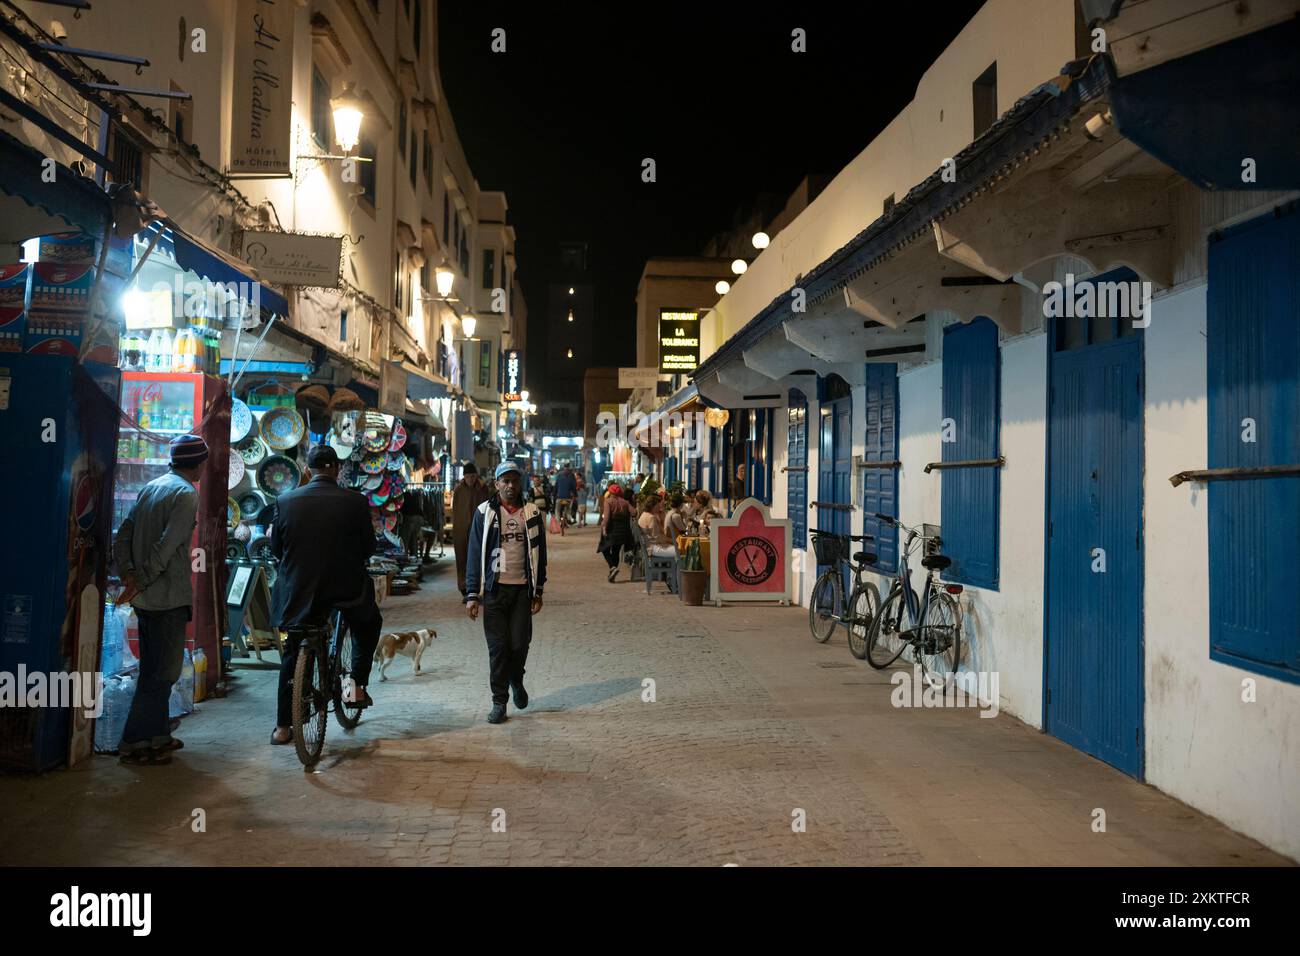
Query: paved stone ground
{"x": 748, "y": 725}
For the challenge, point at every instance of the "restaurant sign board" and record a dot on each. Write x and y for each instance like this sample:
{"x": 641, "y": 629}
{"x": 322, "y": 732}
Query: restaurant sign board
{"x": 749, "y": 555}
{"x": 679, "y": 341}
{"x": 292, "y": 258}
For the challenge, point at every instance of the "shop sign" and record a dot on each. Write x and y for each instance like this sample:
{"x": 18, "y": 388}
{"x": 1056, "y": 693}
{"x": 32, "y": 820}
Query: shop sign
{"x": 291, "y": 258}
{"x": 749, "y": 555}
{"x": 392, "y": 389}
{"x": 679, "y": 341}
{"x": 638, "y": 377}
{"x": 514, "y": 375}
{"x": 263, "y": 86}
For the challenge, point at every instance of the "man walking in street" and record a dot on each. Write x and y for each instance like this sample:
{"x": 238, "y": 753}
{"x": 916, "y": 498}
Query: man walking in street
{"x": 323, "y": 537}
{"x": 471, "y": 492}
{"x": 506, "y": 573}
{"x": 152, "y": 552}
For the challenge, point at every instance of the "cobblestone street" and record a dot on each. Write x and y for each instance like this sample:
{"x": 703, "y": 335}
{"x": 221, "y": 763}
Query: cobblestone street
{"x": 752, "y": 721}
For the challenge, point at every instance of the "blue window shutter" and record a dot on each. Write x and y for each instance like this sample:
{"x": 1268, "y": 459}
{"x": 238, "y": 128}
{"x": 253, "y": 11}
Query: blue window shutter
{"x": 1253, "y": 372}
{"x": 970, "y": 495}
{"x": 797, "y": 468}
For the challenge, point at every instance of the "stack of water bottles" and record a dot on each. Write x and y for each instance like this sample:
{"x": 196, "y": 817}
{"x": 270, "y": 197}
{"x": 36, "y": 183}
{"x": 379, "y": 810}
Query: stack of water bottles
{"x": 118, "y": 666}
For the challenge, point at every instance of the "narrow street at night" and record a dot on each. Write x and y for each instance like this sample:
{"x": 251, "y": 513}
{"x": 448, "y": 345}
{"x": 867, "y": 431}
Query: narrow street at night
{"x": 751, "y": 721}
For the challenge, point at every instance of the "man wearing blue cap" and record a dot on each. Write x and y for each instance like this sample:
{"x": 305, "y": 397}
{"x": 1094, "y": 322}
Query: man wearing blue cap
{"x": 505, "y": 573}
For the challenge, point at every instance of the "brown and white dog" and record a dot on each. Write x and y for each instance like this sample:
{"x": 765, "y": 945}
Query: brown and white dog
{"x": 410, "y": 643}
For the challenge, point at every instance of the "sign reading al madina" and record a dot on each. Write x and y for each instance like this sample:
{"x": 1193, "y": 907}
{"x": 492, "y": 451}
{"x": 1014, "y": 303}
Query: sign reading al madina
{"x": 263, "y": 88}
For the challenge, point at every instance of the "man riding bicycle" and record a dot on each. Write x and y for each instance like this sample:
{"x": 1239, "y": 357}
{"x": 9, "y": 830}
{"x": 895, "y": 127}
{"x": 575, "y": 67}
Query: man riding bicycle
{"x": 322, "y": 536}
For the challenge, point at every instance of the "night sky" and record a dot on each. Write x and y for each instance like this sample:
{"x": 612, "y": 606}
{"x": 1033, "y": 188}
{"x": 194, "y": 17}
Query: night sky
{"x": 562, "y": 120}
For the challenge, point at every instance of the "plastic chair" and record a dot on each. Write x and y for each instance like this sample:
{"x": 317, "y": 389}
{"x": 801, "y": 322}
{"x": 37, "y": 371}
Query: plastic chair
{"x": 658, "y": 567}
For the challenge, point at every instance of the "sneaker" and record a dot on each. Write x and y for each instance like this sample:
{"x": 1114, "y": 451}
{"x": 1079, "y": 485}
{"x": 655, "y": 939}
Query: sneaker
{"x": 349, "y": 690}
{"x": 521, "y": 697}
{"x": 498, "y": 715}
{"x": 613, "y": 573}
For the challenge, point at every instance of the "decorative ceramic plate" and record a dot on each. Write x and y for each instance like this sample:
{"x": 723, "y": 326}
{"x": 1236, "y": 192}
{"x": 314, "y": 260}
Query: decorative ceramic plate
{"x": 373, "y": 464}
{"x": 236, "y": 473}
{"x": 244, "y": 486}
{"x": 397, "y": 485}
{"x": 378, "y": 497}
{"x": 232, "y": 513}
{"x": 244, "y": 533}
{"x": 283, "y": 428}
{"x": 277, "y": 475}
{"x": 251, "y": 503}
{"x": 399, "y": 436}
{"x": 253, "y": 451}
{"x": 395, "y": 461}
{"x": 390, "y": 522}
{"x": 235, "y": 551}
{"x": 241, "y": 421}
{"x": 259, "y": 549}
{"x": 372, "y": 482}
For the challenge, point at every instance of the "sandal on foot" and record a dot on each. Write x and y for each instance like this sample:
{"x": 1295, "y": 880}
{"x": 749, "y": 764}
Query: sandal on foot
{"x": 146, "y": 758}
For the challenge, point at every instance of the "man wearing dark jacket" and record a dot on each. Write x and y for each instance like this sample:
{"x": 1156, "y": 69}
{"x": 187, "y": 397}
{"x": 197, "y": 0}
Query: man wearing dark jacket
{"x": 506, "y": 572}
{"x": 566, "y": 490}
{"x": 323, "y": 537}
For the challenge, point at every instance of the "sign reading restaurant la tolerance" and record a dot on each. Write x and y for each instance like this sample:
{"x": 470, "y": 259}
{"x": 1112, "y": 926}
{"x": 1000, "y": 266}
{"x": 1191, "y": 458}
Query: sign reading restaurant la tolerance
{"x": 679, "y": 341}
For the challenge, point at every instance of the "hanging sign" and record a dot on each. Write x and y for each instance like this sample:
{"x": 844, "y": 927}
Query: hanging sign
{"x": 679, "y": 341}
{"x": 514, "y": 383}
{"x": 392, "y": 389}
{"x": 638, "y": 377}
{"x": 290, "y": 258}
{"x": 749, "y": 555}
{"x": 263, "y": 85}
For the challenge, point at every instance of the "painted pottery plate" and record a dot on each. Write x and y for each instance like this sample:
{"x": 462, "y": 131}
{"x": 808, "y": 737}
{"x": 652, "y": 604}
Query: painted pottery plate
{"x": 241, "y": 421}
{"x": 235, "y": 551}
{"x": 395, "y": 461}
{"x": 277, "y": 475}
{"x": 232, "y": 512}
{"x": 283, "y": 428}
{"x": 259, "y": 549}
{"x": 244, "y": 533}
{"x": 373, "y": 464}
{"x": 372, "y": 482}
{"x": 236, "y": 472}
{"x": 251, "y": 503}
{"x": 253, "y": 451}
{"x": 399, "y": 436}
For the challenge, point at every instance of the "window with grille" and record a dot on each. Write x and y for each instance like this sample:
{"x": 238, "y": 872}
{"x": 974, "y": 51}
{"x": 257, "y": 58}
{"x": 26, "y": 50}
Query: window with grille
{"x": 322, "y": 119}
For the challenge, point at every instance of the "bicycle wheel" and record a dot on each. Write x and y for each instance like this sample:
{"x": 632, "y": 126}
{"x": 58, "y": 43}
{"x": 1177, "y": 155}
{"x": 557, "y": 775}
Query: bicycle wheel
{"x": 824, "y": 607}
{"x": 864, "y": 605}
{"x": 886, "y": 641}
{"x": 939, "y": 637}
{"x": 310, "y": 702}
{"x": 349, "y": 715}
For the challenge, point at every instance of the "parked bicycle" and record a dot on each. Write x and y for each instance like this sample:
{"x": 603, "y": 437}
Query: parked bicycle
{"x": 324, "y": 659}
{"x": 828, "y": 607}
{"x": 930, "y": 624}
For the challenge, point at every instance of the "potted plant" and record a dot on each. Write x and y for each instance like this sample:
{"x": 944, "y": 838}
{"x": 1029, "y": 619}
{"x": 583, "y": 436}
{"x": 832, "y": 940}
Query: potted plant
{"x": 694, "y": 579}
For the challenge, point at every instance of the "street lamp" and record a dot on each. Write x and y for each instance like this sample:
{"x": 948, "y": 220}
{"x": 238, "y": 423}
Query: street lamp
{"x": 738, "y": 266}
{"x": 760, "y": 240}
{"x": 348, "y": 112}
{"x": 443, "y": 278}
{"x": 468, "y": 323}
{"x": 723, "y": 287}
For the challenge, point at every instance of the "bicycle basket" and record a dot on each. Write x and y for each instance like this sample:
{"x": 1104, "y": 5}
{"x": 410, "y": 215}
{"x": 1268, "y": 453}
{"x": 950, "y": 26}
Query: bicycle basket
{"x": 830, "y": 548}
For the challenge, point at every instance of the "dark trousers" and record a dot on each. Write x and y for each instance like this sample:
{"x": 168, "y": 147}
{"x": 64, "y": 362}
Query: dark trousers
{"x": 508, "y": 627}
{"x": 162, "y": 655}
{"x": 612, "y": 555}
{"x": 365, "y": 623}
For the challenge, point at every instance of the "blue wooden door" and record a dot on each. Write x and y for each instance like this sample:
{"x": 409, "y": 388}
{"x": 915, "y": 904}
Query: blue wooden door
{"x": 1093, "y": 663}
{"x": 834, "y": 461}
{"x": 880, "y": 485}
{"x": 797, "y": 468}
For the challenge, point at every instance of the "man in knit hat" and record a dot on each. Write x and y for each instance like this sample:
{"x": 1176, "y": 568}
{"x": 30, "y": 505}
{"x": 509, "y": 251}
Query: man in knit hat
{"x": 152, "y": 552}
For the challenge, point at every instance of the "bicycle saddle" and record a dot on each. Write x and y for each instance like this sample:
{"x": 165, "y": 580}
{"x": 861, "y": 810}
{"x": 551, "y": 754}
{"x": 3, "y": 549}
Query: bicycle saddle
{"x": 864, "y": 557}
{"x": 936, "y": 562}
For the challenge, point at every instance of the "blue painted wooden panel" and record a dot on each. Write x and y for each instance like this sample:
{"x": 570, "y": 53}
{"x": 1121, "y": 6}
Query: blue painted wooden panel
{"x": 970, "y": 496}
{"x": 834, "y": 462}
{"x": 880, "y": 485}
{"x": 797, "y": 458}
{"x": 1253, "y": 349}
{"x": 1094, "y": 617}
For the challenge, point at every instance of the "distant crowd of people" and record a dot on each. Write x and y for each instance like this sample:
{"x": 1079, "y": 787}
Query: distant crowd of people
{"x": 661, "y": 517}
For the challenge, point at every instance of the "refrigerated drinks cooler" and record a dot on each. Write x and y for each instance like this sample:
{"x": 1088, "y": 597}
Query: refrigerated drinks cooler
{"x": 160, "y": 406}
{"x": 59, "y": 420}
